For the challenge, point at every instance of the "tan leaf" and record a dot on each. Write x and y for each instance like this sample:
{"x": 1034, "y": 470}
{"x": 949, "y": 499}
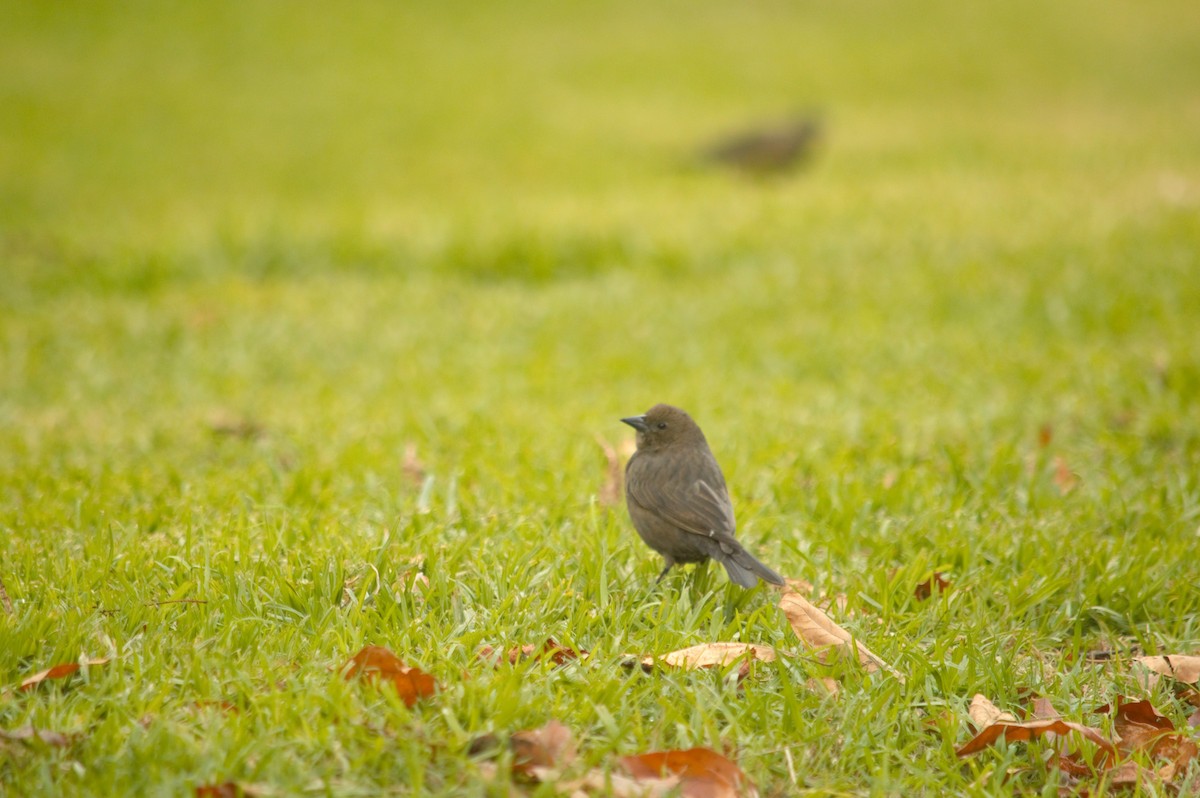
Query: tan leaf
{"x": 984, "y": 713}
{"x": 818, "y": 631}
{"x": 411, "y": 465}
{"x": 936, "y": 583}
{"x": 26, "y": 733}
{"x": 1181, "y": 667}
{"x": 59, "y": 671}
{"x": 551, "y": 650}
{"x": 538, "y": 753}
{"x": 610, "y": 493}
{"x": 713, "y": 655}
{"x": 376, "y": 663}
{"x": 1065, "y": 479}
{"x": 702, "y": 773}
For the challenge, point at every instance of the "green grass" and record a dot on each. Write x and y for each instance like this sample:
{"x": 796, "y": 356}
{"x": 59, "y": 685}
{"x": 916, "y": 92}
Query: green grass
{"x": 474, "y": 229}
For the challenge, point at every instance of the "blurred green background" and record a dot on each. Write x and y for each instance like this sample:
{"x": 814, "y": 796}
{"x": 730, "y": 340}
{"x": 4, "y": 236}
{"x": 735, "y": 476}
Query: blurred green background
{"x": 482, "y": 229}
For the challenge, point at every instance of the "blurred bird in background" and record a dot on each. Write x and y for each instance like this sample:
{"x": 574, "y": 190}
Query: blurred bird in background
{"x": 768, "y": 150}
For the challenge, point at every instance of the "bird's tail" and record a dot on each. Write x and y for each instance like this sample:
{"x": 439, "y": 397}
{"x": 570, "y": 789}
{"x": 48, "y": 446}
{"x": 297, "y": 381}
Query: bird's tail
{"x": 745, "y": 570}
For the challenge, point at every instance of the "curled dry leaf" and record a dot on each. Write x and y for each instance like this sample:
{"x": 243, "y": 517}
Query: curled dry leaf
{"x": 539, "y": 753}
{"x": 1065, "y": 479}
{"x": 614, "y": 471}
{"x": 550, "y": 650}
{"x": 28, "y": 733}
{"x": 378, "y": 664}
{"x": 60, "y": 671}
{"x": 984, "y": 713}
{"x": 1142, "y": 728}
{"x": 712, "y": 655}
{"x": 411, "y": 465}
{"x": 698, "y": 772}
{"x": 1180, "y": 667}
{"x": 818, "y": 631}
{"x": 937, "y": 582}
{"x": 1003, "y": 727}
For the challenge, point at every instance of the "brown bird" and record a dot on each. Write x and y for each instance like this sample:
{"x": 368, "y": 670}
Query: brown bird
{"x": 677, "y": 497}
{"x": 767, "y": 151}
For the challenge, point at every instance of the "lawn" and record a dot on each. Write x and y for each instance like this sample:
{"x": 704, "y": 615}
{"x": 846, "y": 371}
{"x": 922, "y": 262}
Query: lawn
{"x": 312, "y": 316}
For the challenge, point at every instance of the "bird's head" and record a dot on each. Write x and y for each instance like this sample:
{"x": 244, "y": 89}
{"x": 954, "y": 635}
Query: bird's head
{"x": 662, "y": 426}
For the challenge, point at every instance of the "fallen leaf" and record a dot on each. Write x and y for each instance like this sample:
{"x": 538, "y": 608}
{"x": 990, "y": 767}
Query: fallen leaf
{"x": 927, "y": 588}
{"x": 1065, "y": 479}
{"x": 1181, "y": 667}
{"x": 712, "y": 655}
{"x": 1194, "y": 719}
{"x": 1045, "y": 435}
{"x": 538, "y": 753}
{"x": 618, "y": 785}
{"x": 411, "y": 465}
{"x": 1141, "y": 728}
{"x": 59, "y": 671}
{"x": 228, "y": 789}
{"x": 611, "y": 490}
{"x": 551, "y": 650}
{"x": 984, "y": 713}
{"x": 1011, "y": 730}
{"x": 376, "y": 663}
{"x": 26, "y": 733}
{"x": 818, "y": 631}
{"x": 701, "y": 772}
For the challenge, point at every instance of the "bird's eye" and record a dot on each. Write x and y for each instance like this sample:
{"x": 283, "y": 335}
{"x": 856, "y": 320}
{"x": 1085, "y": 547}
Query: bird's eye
{"x": 661, "y": 425}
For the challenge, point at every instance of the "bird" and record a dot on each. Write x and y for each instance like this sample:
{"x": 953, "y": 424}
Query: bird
{"x": 768, "y": 150}
{"x": 677, "y": 499}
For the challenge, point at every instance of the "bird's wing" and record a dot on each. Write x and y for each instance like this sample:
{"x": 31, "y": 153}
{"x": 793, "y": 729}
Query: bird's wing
{"x": 703, "y": 507}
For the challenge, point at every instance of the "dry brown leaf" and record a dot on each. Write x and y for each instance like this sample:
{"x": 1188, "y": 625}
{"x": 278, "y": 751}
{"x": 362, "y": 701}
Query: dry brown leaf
{"x": 1045, "y": 435}
{"x": 5, "y": 601}
{"x": 376, "y": 663}
{"x": 411, "y": 465}
{"x": 1142, "y": 728}
{"x": 818, "y": 631}
{"x": 551, "y": 650}
{"x": 26, "y": 733}
{"x": 1021, "y": 731}
{"x": 1194, "y": 719}
{"x": 1065, "y": 479}
{"x": 984, "y": 713}
{"x": 712, "y": 655}
{"x": 612, "y": 489}
{"x": 227, "y": 789}
{"x": 618, "y": 785}
{"x": 701, "y": 772}
{"x": 59, "y": 671}
{"x": 539, "y": 753}
{"x": 937, "y": 583}
{"x": 1181, "y": 667}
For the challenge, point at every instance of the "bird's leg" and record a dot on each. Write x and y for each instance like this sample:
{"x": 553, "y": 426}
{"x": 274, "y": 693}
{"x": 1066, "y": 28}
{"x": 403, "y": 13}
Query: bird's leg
{"x": 670, "y": 563}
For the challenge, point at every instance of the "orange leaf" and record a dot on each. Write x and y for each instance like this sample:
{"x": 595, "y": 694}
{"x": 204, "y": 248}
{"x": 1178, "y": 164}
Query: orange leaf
{"x": 818, "y": 631}
{"x": 228, "y": 789}
{"x": 59, "y": 671}
{"x": 377, "y": 663}
{"x": 1003, "y": 726}
{"x": 926, "y": 588}
{"x": 700, "y": 772}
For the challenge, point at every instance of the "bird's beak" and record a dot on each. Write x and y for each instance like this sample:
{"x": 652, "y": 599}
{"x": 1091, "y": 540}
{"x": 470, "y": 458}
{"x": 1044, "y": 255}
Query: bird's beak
{"x": 637, "y": 422}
